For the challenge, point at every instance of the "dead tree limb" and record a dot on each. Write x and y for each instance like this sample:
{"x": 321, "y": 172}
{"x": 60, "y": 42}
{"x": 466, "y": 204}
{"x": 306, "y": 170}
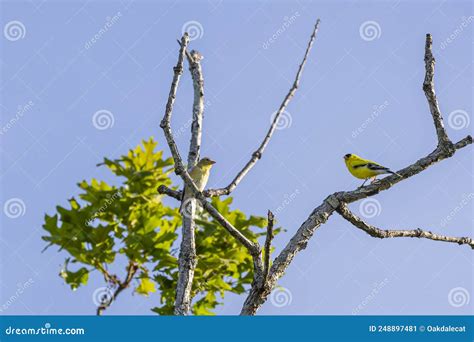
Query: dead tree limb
{"x": 187, "y": 260}
{"x": 445, "y": 149}
{"x": 266, "y": 276}
{"x": 132, "y": 268}
{"x": 259, "y": 152}
{"x": 344, "y": 211}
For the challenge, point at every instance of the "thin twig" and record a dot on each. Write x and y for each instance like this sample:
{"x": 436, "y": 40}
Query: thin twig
{"x": 428, "y": 88}
{"x": 259, "y": 152}
{"x": 163, "y": 189}
{"x": 165, "y": 123}
{"x": 268, "y": 244}
{"x": 121, "y": 285}
{"x": 344, "y": 211}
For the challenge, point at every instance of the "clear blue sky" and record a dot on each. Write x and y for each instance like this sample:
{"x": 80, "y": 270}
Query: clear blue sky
{"x": 127, "y": 71}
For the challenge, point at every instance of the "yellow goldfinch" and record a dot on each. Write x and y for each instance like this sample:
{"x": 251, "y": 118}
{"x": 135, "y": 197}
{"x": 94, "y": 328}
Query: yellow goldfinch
{"x": 200, "y": 175}
{"x": 365, "y": 169}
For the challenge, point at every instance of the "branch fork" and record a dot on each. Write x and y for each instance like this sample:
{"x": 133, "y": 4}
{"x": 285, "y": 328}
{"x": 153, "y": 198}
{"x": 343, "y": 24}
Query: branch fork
{"x": 266, "y": 273}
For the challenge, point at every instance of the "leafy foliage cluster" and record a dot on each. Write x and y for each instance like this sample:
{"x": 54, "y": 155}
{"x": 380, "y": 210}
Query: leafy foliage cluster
{"x": 129, "y": 219}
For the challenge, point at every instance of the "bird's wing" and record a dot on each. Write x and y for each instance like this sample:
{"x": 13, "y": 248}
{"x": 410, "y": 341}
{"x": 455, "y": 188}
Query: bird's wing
{"x": 376, "y": 167}
{"x": 358, "y": 166}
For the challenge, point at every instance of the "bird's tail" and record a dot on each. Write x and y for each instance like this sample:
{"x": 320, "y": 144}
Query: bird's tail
{"x": 394, "y": 173}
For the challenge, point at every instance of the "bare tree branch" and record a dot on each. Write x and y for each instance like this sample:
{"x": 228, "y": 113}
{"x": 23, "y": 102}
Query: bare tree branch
{"x": 194, "y": 59}
{"x": 253, "y": 248}
{"x": 163, "y": 189}
{"x": 165, "y": 123}
{"x": 428, "y": 87}
{"x": 187, "y": 261}
{"x": 321, "y": 214}
{"x": 268, "y": 244}
{"x": 259, "y": 152}
{"x": 121, "y": 285}
{"x": 266, "y": 277}
{"x": 344, "y": 211}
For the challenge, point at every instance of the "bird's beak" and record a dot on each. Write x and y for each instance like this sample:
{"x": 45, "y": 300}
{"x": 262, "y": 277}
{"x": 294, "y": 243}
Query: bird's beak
{"x": 211, "y": 161}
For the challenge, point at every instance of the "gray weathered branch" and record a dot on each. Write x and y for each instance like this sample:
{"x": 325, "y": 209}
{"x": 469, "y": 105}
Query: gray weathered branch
{"x": 187, "y": 261}
{"x": 259, "y": 152}
{"x": 321, "y": 214}
{"x": 266, "y": 277}
{"x": 268, "y": 244}
{"x": 428, "y": 88}
{"x": 163, "y": 189}
{"x": 121, "y": 285}
{"x": 344, "y": 211}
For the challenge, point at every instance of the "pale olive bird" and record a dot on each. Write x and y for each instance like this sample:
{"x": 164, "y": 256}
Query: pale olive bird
{"x": 200, "y": 175}
{"x": 365, "y": 169}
